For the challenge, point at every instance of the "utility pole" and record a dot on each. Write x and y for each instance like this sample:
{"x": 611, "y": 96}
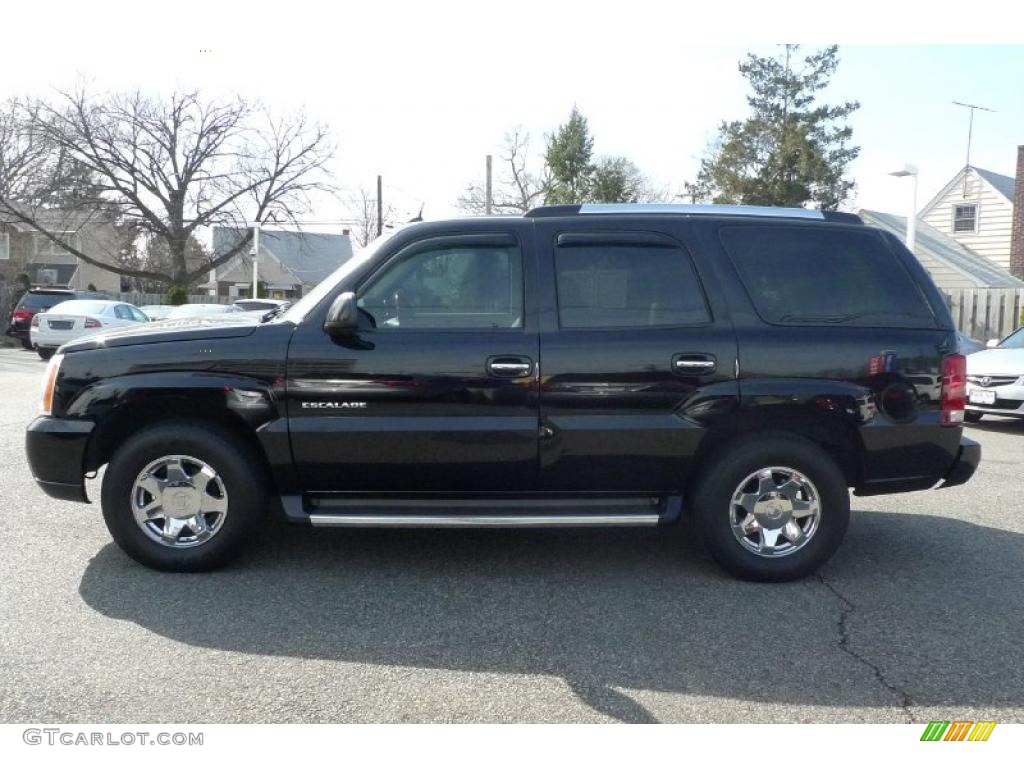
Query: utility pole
{"x": 487, "y": 203}
{"x": 970, "y": 131}
{"x": 255, "y": 260}
{"x": 380, "y": 206}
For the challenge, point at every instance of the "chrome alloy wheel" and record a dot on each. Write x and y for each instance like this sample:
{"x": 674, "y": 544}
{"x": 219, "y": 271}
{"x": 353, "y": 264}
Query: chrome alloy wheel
{"x": 775, "y": 511}
{"x": 179, "y": 501}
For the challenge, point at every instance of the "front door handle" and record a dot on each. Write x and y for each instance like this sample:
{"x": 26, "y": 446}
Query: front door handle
{"x": 509, "y": 366}
{"x": 693, "y": 364}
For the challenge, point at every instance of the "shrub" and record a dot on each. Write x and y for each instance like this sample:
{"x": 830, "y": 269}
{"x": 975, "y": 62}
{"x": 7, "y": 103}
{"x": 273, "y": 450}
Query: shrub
{"x": 176, "y": 294}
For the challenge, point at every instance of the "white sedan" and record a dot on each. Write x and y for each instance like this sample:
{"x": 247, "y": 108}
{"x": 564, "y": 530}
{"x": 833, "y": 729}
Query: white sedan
{"x": 995, "y": 379}
{"x": 79, "y": 317}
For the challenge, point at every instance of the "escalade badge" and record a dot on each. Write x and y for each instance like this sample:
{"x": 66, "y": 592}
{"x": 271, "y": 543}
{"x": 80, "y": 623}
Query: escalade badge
{"x": 334, "y": 404}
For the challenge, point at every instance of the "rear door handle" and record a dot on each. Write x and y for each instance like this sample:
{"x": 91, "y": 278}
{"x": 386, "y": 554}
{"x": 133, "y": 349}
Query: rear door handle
{"x": 693, "y": 364}
{"x": 509, "y": 366}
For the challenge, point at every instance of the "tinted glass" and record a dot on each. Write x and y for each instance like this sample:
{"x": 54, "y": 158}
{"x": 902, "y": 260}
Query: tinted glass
{"x": 122, "y": 312}
{"x": 463, "y": 287}
{"x": 805, "y": 275}
{"x": 39, "y": 301}
{"x": 609, "y": 286}
{"x": 137, "y": 314}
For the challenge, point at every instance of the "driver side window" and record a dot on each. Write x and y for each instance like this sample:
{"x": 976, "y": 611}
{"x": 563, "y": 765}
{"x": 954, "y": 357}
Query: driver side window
{"x": 462, "y": 287}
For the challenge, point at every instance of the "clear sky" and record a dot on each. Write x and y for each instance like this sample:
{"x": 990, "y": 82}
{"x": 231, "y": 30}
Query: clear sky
{"x": 421, "y": 92}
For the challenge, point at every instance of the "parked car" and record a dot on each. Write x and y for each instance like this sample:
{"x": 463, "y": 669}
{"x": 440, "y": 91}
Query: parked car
{"x": 79, "y": 317}
{"x": 995, "y": 379}
{"x": 261, "y": 308}
{"x": 33, "y": 301}
{"x": 185, "y": 311}
{"x": 157, "y": 311}
{"x": 259, "y": 305}
{"x": 596, "y": 365}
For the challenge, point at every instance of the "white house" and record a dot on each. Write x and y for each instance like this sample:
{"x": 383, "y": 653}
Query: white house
{"x": 975, "y": 208}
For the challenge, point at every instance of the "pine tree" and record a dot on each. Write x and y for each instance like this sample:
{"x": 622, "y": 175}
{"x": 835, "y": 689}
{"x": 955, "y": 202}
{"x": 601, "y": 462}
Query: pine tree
{"x": 791, "y": 151}
{"x": 569, "y": 161}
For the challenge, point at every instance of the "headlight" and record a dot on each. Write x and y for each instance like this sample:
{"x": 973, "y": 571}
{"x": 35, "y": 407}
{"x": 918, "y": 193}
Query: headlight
{"x": 49, "y": 385}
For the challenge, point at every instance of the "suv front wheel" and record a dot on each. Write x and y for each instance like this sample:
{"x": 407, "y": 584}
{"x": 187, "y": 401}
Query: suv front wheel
{"x": 772, "y": 509}
{"x": 183, "y": 496}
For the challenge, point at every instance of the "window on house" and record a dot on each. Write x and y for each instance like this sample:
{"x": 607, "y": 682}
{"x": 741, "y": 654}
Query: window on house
{"x": 47, "y": 249}
{"x": 5, "y": 246}
{"x": 965, "y": 218}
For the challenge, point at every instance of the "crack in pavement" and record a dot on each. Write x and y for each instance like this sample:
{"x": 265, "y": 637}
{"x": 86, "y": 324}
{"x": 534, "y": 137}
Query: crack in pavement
{"x": 905, "y": 702}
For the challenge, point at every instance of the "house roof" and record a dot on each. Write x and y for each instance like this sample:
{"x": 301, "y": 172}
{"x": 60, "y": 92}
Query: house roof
{"x": 946, "y": 250}
{"x": 1002, "y": 184}
{"x": 310, "y": 256}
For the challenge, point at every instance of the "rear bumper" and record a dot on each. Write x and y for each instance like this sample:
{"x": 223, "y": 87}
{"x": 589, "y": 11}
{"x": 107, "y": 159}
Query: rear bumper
{"x": 17, "y": 331}
{"x": 56, "y": 453}
{"x": 967, "y": 460}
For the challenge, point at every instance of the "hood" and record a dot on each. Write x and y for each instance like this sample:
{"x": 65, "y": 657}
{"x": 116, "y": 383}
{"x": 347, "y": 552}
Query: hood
{"x": 186, "y": 329}
{"x": 1006, "y": 362}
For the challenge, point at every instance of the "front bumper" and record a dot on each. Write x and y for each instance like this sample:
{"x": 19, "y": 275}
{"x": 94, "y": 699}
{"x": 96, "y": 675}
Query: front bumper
{"x": 1009, "y": 400}
{"x": 56, "y": 454}
{"x": 967, "y": 460}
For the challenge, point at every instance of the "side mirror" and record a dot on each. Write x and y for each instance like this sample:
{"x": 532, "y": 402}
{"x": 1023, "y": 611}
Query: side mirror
{"x": 992, "y": 343}
{"x": 343, "y": 316}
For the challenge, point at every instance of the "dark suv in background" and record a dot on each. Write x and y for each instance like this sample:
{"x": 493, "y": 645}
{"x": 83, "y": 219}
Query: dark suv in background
{"x": 37, "y": 300}
{"x": 578, "y": 366}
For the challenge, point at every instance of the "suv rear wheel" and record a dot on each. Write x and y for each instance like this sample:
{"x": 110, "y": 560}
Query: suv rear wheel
{"x": 183, "y": 497}
{"x": 773, "y": 509}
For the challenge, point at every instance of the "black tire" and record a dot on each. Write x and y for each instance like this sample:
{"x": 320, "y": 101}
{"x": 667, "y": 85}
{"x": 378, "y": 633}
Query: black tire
{"x": 972, "y": 417}
{"x": 26, "y": 344}
{"x": 712, "y": 499}
{"x": 46, "y": 354}
{"x": 239, "y": 467}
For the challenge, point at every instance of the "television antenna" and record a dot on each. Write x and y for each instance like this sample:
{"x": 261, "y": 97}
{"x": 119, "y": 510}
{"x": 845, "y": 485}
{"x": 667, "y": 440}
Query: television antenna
{"x": 970, "y": 131}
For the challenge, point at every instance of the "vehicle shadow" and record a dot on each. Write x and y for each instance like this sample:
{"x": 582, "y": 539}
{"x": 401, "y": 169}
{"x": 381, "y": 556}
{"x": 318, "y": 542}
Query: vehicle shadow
{"x": 1002, "y": 424}
{"x": 915, "y": 609}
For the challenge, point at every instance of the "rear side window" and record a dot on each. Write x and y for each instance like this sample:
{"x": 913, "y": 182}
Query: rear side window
{"x": 819, "y": 276}
{"x": 613, "y": 285}
{"x": 39, "y": 301}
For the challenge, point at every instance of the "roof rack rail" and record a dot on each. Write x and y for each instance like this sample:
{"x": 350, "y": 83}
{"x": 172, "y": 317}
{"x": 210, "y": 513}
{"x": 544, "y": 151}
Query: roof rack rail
{"x": 548, "y": 211}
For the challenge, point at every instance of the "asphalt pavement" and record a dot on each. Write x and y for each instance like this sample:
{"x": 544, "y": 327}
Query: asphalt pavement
{"x": 919, "y": 617}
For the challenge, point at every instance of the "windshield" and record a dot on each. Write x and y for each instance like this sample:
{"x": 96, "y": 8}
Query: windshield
{"x": 80, "y": 308}
{"x": 297, "y": 311}
{"x": 1014, "y": 341}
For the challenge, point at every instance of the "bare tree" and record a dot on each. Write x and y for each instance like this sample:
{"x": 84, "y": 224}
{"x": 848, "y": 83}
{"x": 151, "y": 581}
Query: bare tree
{"x": 166, "y": 168}
{"x": 516, "y": 189}
{"x": 363, "y": 211}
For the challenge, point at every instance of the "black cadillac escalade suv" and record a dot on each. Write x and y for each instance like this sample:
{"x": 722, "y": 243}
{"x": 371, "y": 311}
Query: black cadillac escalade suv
{"x": 577, "y": 366}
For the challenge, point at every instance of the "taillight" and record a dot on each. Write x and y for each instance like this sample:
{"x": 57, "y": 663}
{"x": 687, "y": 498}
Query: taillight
{"x": 35, "y": 321}
{"x": 21, "y": 314}
{"x": 92, "y": 322}
{"x": 954, "y": 390}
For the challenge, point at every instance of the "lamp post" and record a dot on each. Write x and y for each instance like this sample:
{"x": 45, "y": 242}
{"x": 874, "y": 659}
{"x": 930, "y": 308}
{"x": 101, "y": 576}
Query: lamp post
{"x": 910, "y": 170}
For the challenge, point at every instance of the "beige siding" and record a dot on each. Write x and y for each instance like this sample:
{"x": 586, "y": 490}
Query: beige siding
{"x": 944, "y": 276}
{"x": 995, "y": 218}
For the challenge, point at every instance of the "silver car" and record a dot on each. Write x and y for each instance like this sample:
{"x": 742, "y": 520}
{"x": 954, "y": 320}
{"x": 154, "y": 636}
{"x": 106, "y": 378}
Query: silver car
{"x": 995, "y": 379}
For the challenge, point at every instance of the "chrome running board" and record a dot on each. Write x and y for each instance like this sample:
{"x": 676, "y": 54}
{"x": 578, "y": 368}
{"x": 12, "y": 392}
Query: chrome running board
{"x": 481, "y": 521}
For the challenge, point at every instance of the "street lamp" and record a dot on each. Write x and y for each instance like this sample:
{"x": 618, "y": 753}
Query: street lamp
{"x": 910, "y": 170}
